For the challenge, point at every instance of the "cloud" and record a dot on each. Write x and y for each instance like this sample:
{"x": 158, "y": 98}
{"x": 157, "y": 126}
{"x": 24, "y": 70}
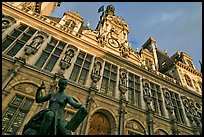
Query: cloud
{"x": 164, "y": 18}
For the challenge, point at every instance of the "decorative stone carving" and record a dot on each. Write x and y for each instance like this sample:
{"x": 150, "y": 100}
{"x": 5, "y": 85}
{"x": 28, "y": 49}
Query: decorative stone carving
{"x": 102, "y": 38}
{"x": 7, "y": 21}
{"x": 125, "y": 49}
{"x": 123, "y": 80}
{"x": 35, "y": 44}
{"x": 167, "y": 97}
{"x": 69, "y": 54}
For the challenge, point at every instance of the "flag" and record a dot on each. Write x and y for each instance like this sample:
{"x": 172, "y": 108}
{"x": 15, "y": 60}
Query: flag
{"x": 101, "y": 9}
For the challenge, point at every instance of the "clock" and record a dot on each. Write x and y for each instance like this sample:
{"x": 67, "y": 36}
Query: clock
{"x": 113, "y": 42}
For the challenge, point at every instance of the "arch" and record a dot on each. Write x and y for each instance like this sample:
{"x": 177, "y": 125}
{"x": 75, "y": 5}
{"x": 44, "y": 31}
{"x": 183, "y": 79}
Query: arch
{"x": 135, "y": 126}
{"x": 11, "y": 86}
{"x": 109, "y": 117}
{"x": 159, "y": 131}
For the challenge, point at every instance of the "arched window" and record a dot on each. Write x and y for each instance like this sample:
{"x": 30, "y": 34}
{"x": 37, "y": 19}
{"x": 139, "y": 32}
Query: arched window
{"x": 188, "y": 80}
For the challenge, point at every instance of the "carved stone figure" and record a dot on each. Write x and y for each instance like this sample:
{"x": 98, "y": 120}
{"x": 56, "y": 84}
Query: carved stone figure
{"x": 168, "y": 100}
{"x": 50, "y": 121}
{"x": 69, "y": 55}
{"x": 123, "y": 82}
{"x": 125, "y": 49}
{"x": 146, "y": 90}
{"x": 97, "y": 68}
{"x": 36, "y": 42}
{"x": 66, "y": 61}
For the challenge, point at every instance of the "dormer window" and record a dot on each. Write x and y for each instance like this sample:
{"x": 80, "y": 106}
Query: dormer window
{"x": 188, "y": 80}
{"x": 70, "y": 24}
{"x": 190, "y": 63}
{"x": 148, "y": 63}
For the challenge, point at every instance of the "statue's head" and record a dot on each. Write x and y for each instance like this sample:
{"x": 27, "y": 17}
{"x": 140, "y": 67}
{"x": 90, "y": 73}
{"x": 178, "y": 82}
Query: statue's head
{"x": 62, "y": 83}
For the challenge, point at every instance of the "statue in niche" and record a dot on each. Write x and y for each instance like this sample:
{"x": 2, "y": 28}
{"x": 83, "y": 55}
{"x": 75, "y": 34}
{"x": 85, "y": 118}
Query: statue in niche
{"x": 50, "y": 121}
{"x": 146, "y": 90}
{"x": 36, "y": 42}
{"x": 97, "y": 68}
{"x": 69, "y": 55}
{"x": 192, "y": 109}
{"x": 168, "y": 100}
{"x": 96, "y": 72}
{"x": 65, "y": 62}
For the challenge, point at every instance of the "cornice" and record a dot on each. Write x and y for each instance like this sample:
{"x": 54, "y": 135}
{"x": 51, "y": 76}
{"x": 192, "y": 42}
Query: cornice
{"x": 188, "y": 68}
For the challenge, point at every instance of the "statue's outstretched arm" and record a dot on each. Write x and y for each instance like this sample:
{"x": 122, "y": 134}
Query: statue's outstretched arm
{"x": 73, "y": 103}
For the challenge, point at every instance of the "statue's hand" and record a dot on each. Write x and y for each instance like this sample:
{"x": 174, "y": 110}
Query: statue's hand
{"x": 42, "y": 86}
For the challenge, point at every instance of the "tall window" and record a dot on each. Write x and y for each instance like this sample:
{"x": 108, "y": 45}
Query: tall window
{"x": 109, "y": 79}
{"x": 81, "y": 68}
{"x": 157, "y": 99}
{"x": 188, "y": 80}
{"x": 14, "y": 115}
{"x": 134, "y": 90}
{"x": 50, "y": 55}
{"x": 14, "y": 41}
{"x": 178, "y": 111}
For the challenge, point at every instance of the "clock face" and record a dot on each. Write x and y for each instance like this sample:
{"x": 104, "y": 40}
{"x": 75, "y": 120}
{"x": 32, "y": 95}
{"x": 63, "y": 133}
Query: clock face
{"x": 114, "y": 43}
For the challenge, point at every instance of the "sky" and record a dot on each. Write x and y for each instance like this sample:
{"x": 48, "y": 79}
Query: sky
{"x": 176, "y": 26}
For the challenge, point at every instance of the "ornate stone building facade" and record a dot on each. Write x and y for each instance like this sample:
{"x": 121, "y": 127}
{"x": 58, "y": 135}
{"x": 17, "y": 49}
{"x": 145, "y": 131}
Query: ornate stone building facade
{"x": 126, "y": 92}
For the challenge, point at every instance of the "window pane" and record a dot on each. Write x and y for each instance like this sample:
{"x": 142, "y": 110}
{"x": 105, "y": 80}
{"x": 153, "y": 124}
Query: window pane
{"x": 113, "y": 76}
{"x": 81, "y": 55}
{"x": 25, "y": 37}
{"x": 79, "y": 61}
{"x": 15, "y": 33}
{"x": 58, "y": 51}
{"x": 31, "y": 31}
{"x": 28, "y": 104}
{"x": 17, "y": 123}
{"x": 49, "y": 48}
{"x": 106, "y": 73}
{"x": 22, "y": 27}
{"x": 114, "y": 69}
{"x": 107, "y": 66}
{"x": 87, "y": 64}
{"x": 89, "y": 57}
{"x": 17, "y": 100}
{"x": 83, "y": 76}
{"x": 75, "y": 73}
{"x": 6, "y": 43}
{"x": 15, "y": 49}
{"x": 53, "y": 42}
{"x": 61, "y": 45}
{"x": 7, "y": 117}
{"x": 42, "y": 60}
{"x": 51, "y": 63}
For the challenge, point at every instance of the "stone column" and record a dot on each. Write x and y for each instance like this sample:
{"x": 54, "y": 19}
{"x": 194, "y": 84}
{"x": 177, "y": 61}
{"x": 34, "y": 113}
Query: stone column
{"x": 122, "y": 102}
{"x": 148, "y": 99}
{"x": 174, "y": 128}
{"x": 170, "y": 109}
{"x": 95, "y": 76}
{"x": 90, "y": 100}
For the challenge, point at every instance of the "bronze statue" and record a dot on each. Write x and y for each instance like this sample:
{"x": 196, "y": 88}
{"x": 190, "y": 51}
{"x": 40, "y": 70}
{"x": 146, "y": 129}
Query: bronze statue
{"x": 50, "y": 121}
